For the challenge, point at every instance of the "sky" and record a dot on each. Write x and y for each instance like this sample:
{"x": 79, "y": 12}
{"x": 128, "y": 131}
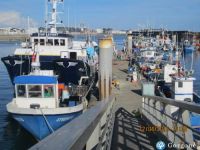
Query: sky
{"x": 117, "y": 14}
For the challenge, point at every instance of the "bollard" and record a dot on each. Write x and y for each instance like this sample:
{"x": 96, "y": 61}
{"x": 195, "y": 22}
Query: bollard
{"x": 130, "y": 45}
{"x": 105, "y": 67}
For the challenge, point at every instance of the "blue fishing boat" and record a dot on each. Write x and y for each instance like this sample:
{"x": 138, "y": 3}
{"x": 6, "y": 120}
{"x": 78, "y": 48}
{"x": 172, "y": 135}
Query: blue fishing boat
{"x": 42, "y": 104}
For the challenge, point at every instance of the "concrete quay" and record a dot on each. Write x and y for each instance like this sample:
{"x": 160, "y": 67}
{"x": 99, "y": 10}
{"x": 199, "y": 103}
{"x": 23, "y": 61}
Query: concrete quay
{"x": 127, "y": 133}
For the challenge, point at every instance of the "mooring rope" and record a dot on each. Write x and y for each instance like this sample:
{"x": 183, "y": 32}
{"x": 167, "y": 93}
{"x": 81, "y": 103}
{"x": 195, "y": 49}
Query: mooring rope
{"x": 47, "y": 122}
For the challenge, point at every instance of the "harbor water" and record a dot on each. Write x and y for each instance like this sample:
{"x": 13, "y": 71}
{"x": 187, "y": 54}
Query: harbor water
{"x": 14, "y": 137}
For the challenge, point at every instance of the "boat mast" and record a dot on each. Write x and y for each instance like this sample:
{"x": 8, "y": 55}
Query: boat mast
{"x": 53, "y": 23}
{"x": 28, "y": 26}
{"x": 177, "y": 59}
{"x": 46, "y": 17}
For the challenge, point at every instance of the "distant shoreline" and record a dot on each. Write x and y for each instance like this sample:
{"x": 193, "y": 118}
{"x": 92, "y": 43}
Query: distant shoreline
{"x": 23, "y": 37}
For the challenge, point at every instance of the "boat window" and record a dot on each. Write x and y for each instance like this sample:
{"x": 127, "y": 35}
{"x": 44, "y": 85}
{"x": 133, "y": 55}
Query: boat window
{"x": 35, "y": 91}
{"x": 50, "y": 42}
{"x": 48, "y": 91}
{"x": 62, "y": 42}
{"x": 56, "y": 42}
{"x": 36, "y": 41}
{"x": 180, "y": 84}
{"x": 21, "y": 91}
{"x": 41, "y": 41}
{"x": 73, "y": 55}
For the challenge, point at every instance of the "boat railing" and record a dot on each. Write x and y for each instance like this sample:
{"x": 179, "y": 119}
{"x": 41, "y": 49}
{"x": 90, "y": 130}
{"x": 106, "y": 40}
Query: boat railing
{"x": 176, "y": 127}
{"x": 78, "y": 90}
{"x": 91, "y": 130}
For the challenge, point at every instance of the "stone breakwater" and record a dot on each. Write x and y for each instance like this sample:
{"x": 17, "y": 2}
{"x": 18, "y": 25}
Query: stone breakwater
{"x": 13, "y": 37}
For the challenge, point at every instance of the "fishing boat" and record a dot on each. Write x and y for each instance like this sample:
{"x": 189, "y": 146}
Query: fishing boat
{"x": 53, "y": 46}
{"x": 172, "y": 80}
{"x": 42, "y": 104}
{"x": 181, "y": 88}
{"x": 178, "y": 85}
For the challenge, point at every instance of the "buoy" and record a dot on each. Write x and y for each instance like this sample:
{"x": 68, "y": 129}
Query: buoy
{"x": 33, "y": 57}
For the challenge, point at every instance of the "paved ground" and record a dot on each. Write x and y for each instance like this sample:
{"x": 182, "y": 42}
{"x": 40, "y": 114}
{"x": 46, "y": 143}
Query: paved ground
{"x": 127, "y": 134}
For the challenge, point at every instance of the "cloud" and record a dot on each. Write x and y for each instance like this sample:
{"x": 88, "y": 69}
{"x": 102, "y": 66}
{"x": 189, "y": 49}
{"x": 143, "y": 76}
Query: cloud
{"x": 15, "y": 19}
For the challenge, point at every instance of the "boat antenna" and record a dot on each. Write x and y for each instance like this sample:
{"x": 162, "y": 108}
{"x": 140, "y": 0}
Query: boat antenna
{"x": 28, "y": 25}
{"x": 53, "y": 22}
{"x": 177, "y": 57}
{"x": 191, "y": 67}
{"x": 68, "y": 17}
{"x": 183, "y": 57}
{"x": 46, "y": 16}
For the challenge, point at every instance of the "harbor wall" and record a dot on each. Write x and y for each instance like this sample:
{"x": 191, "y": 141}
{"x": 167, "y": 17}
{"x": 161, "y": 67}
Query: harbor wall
{"x": 13, "y": 37}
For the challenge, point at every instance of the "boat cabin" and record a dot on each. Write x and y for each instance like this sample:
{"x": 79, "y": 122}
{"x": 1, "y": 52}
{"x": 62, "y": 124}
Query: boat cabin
{"x": 43, "y": 39}
{"x": 40, "y": 91}
{"x": 182, "y": 89}
{"x": 54, "y": 45}
{"x": 168, "y": 70}
{"x": 149, "y": 53}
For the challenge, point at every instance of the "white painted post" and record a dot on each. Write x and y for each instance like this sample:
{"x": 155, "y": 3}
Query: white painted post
{"x": 105, "y": 67}
{"x": 170, "y": 134}
{"x": 151, "y": 111}
{"x": 143, "y": 106}
{"x": 146, "y": 101}
{"x": 188, "y": 133}
{"x": 158, "y": 114}
{"x": 94, "y": 138}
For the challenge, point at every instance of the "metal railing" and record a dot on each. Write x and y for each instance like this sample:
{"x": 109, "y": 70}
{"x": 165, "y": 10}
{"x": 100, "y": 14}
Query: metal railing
{"x": 92, "y": 129}
{"x": 175, "y": 126}
{"x": 79, "y": 90}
